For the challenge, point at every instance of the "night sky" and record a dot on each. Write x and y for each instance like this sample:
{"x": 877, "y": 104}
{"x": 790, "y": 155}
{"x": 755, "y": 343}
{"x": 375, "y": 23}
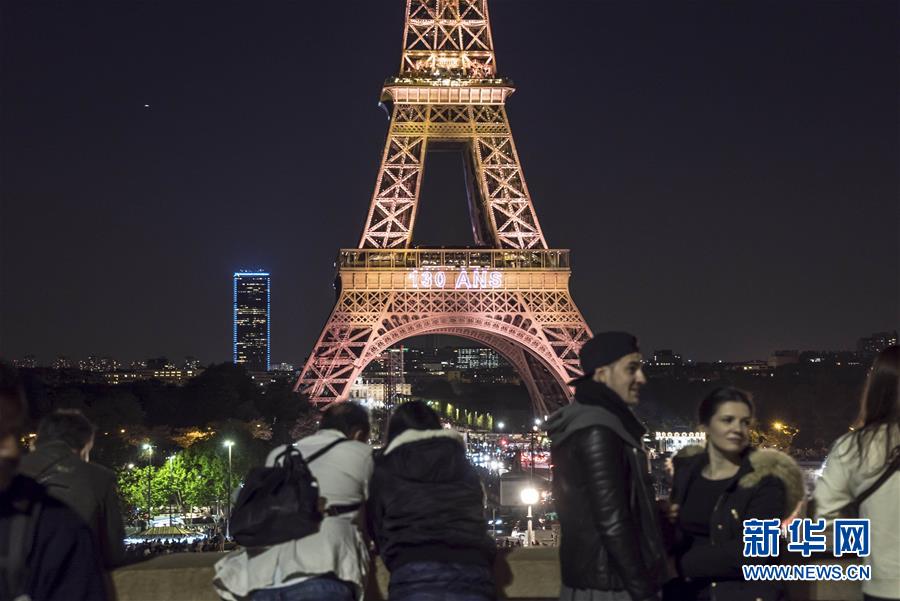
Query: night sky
{"x": 724, "y": 173}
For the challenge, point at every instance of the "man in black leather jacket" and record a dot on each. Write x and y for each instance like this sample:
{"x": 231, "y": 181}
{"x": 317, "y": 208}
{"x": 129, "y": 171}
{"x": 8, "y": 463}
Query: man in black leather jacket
{"x": 611, "y": 547}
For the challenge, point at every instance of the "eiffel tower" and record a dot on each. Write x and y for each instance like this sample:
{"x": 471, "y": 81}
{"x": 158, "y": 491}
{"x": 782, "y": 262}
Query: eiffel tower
{"x": 509, "y": 291}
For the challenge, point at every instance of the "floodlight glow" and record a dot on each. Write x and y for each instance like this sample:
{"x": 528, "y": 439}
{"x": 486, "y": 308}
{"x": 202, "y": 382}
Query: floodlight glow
{"x": 529, "y": 496}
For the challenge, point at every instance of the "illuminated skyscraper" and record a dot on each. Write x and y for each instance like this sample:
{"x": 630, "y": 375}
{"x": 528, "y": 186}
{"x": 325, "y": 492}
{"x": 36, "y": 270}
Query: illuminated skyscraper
{"x": 252, "y": 319}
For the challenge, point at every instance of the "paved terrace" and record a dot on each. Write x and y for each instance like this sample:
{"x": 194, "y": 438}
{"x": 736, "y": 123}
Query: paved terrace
{"x": 522, "y": 573}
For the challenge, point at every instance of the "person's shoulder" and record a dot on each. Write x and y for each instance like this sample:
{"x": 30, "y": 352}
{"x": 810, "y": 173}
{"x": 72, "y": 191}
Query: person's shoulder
{"x": 688, "y": 455}
{"x": 774, "y": 468}
{"x": 686, "y": 460}
{"x": 25, "y": 493}
{"x": 274, "y": 453}
{"x": 24, "y": 490}
{"x": 100, "y": 473}
{"x": 360, "y": 448}
{"x": 598, "y": 431}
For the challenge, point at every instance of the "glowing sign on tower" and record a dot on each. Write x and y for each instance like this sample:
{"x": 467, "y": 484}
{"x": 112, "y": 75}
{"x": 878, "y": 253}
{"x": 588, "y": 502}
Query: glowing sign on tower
{"x": 477, "y": 279}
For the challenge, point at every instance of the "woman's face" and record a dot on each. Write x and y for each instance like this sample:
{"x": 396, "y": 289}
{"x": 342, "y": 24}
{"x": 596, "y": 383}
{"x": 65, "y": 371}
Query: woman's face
{"x": 729, "y": 428}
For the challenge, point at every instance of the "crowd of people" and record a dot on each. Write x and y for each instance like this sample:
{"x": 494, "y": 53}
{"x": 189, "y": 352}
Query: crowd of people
{"x": 419, "y": 504}
{"x": 165, "y": 546}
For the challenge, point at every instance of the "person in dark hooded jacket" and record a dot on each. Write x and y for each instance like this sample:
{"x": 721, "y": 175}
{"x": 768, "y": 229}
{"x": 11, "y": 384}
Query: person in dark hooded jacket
{"x": 425, "y": 512}
{"x": 46, "y": 551}
{"x": 60, "y": 462}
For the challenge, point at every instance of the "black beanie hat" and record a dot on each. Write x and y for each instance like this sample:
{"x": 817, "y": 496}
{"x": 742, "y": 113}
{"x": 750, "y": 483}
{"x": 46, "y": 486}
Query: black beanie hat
{"x": 604, "y": 348}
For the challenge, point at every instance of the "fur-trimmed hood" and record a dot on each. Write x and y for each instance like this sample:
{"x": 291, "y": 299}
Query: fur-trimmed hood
{"x": 763, "y": 463}
{"x": 426, "y": 456}
{"x": 411, "y": 436}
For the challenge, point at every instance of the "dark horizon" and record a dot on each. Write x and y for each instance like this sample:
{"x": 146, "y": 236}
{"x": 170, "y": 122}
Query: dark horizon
{"x": 725, "y": 175}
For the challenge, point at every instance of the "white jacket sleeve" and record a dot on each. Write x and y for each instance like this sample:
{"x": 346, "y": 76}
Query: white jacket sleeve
{"x": 833, "y": 489}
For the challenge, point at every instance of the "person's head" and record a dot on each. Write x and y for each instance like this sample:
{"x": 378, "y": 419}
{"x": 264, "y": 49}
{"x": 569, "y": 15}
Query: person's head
{"x": 349, "y": 418}
{"x": 614, "y": 359}
{"x": 725, "y": 415}
{"x": 412, "y": 415}
{"x": 13, "y": 412}
{"x": 68, "y": 426}
{"x": 880, "y": 404}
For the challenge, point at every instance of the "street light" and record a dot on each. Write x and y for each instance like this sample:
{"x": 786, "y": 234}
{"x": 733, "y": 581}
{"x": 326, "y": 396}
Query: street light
{"x": 500, "y": 426}
{"x": 148, "y": 448}
{"x": 228, "y": 444}
{"x": 529, "y": 497}
{"x": 170, "y": 458}
{"x": 534, "y": 429}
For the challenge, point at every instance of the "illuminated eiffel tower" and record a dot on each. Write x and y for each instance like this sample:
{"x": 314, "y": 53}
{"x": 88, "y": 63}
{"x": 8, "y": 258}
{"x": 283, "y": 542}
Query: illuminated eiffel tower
{"x": 508, "y": 292}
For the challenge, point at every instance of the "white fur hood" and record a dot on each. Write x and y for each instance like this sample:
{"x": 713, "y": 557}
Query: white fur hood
{"x": 411, "y": 436}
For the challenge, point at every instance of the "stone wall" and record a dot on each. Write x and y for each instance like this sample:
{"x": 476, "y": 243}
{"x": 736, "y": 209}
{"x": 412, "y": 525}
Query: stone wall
{"x": 521, "y": 573}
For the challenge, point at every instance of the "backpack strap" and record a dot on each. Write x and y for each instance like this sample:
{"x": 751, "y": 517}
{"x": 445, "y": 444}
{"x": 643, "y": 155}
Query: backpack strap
{"x": 291, "y": 451}
{"x": 892, "y": 467}
{"x": 325, "y": 449}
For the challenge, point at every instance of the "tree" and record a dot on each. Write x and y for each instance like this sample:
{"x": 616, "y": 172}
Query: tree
{"x": 114, "y": 410}
{"x": 281, "y": 407}
{"x": 70, "y": 397}
{"x": 133, "y": 488}
{"x": 222, "y": 391}
{"x": 209, "y": 474}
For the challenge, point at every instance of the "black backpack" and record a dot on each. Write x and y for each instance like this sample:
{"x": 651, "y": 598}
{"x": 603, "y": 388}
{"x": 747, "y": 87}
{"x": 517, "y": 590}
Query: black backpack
{"x": 15, "y": 572}
{"x": 279, "y": 503}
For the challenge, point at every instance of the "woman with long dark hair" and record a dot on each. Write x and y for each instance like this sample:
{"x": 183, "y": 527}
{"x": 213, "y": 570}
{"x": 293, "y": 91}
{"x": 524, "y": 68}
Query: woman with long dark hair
{"x": 714, "y": 489}
{"x": 426, "y": 512}
{"x": 861, "y": 471}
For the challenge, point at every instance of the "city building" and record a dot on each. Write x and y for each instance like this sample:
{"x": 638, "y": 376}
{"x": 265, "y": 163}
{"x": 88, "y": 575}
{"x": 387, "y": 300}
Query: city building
{"x": 177, "y": 377}
{"x": 99, "y": 364}
{"x": 782, "y": 358}
{"x": 252, "y": 320}
{"x": 831, "y": 358}
{"x": 672, "y": 442}
{"x": 373, "y": 394}
{"x": 62, "y": 362}
{"x": 754, "y": 367}
{"x": 477, "y": 358}
{"x": 26, "y": 362}
{"x": 874, "y": 344}
{"x": 666, "y": 358}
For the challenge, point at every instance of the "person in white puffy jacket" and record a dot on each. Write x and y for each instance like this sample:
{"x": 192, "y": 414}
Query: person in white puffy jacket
{"x": 857, "y": 461}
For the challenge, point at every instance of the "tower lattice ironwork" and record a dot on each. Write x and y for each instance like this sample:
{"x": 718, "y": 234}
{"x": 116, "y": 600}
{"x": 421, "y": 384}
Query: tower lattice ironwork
{"x": 509, "y": 292}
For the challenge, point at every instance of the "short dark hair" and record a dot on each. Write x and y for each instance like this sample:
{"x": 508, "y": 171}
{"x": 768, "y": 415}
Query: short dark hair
{"x": 724, "y": 394}
{"x": 346, "y": 417}
{"x": 412, "y": 415}
{"x": 66, "y": 425}
{"x": 13, "y": 407}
